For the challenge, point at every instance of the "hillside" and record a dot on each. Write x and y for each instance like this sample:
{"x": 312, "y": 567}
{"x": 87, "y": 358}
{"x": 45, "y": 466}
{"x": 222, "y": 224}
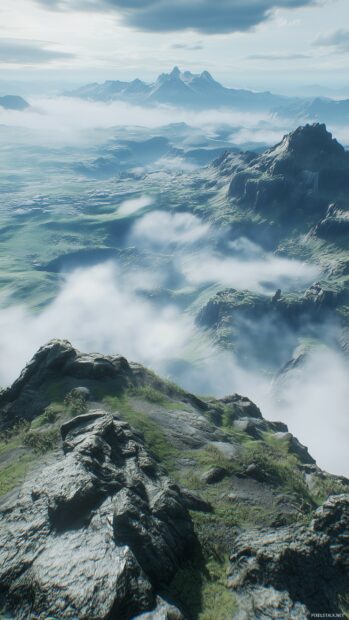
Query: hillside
{"x": 164, "y": 504}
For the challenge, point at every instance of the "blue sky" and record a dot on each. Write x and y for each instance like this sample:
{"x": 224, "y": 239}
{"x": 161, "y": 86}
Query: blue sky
{"x": 283, "y": 45}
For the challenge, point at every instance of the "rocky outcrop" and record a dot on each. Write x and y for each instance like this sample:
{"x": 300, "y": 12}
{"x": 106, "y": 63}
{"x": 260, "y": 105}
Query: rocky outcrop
{"x": 335, "y": 224}
{"x": 292, "y": 308}
{"x": 58, "y": 360}
{"x": 294, "y": 179}
{"x": 254, "y": 324}
{"x": 295, "y": 571}
{"x": 97, "y": 534}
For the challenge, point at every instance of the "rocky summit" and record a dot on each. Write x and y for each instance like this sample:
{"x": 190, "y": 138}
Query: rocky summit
{"x": 300, "y": 174}
{"x": 123, "y": 497}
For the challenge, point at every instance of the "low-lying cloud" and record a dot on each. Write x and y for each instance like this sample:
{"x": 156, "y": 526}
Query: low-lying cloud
{"x": 98, "y": 309}
{"x": 255, "y": 275}
{"x": 160, "y": 228}
{"x": 101, "y": 309}
{"x": 313, "y": 400}
{"x": 129, "y": 207}
{"x": 65, "y": 119}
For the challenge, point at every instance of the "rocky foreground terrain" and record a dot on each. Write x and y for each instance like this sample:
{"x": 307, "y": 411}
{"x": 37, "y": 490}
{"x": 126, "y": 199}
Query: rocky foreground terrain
{"x": 123, "y": 496}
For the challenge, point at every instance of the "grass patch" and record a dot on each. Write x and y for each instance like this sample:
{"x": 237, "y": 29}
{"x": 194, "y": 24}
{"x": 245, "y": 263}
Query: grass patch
{"x": 42, "y": 441}
{"x": 344, "y": 605}
{"x": 201, "y": 589}
{"x": 12, "y": 474}
{"x": 326, "y": 487}
{"x": 150, "y": 394}
{"x": 210, "y": 456}
{"x": 49, "y": 416}
{"x": 277, "y": 467}
{"x": 173, "y": 388}
{"x": 154, "y": 437}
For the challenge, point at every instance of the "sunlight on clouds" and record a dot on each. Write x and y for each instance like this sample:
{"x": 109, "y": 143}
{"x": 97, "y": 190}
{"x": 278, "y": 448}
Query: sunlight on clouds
{"x": 129, "y": 207}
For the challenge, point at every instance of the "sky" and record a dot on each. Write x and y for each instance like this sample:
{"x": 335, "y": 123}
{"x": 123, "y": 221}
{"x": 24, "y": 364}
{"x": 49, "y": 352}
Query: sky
{"x": 299, "y": 46}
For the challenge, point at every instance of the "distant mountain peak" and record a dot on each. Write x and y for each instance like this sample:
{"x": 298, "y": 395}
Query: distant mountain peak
{"x": 13, "y": 102}
{"x": 207, "y": 76}
{"x": 175, "y": 72}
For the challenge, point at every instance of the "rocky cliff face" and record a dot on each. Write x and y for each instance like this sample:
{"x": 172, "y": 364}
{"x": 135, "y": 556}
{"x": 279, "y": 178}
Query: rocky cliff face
{"x": 297, "y": 571}
{"x": 140, "y": 500}
{"x": 296, "y": 178}
{"x": 97, "y": 533}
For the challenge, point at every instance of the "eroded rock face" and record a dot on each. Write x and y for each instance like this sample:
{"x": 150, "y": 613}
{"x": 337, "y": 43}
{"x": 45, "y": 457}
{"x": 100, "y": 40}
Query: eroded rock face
{"x": 335, "y": 224}
{"x": 58, "y": 360}
{"x": 295, "y": 177}
{"x": 96, "y": 534}
{"x": 295, "y": 571}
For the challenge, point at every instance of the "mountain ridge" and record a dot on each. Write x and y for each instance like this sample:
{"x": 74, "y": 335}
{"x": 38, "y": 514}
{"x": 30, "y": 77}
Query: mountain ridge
{"x": 202, "y": 91}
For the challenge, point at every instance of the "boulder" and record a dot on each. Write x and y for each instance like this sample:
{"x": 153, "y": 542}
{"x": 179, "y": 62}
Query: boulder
{"x": 98, "y": 534}
{"x": 214, "y": 475}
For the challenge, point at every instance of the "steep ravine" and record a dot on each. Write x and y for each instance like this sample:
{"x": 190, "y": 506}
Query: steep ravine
{"x": 124, "y": 497}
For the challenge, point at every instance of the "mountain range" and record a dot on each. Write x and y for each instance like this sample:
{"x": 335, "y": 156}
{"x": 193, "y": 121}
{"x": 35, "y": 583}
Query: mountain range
{"x": 202, "y": 91}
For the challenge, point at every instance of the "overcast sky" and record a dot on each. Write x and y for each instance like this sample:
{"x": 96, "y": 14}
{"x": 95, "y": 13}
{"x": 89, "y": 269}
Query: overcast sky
{"x": 263, "y": 44}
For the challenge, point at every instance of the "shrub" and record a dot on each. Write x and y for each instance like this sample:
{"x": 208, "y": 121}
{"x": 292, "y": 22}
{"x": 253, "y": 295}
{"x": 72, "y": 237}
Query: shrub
{"x": 202, "y": 590}
{"x": 76, "y": 403}
{"x": 49, "y": 416}
{"x": 41, "y": 441}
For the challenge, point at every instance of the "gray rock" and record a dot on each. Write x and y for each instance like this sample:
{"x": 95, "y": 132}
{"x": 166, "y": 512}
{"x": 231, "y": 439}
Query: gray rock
{"x": 83, "y": 392}
{"x": 58, "y": 360}
{"x": 228, "y": 449}
{"x": 301, "y": 570}
{"x": 295, "y": 447}
{"x": 213, "y": 475}
{"x": 241, "y": 406}
{"x": 268, "y": 603}
{"x": 97, "y": 533}
{"x": 195, "y": 502}
{"x": 163, "y": 611}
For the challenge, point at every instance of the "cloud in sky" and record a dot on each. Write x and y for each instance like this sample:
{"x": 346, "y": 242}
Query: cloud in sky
{"x": 278, "y": 56}
{"x": 190, "y": 47}
{"x": 338, "y": 39}
{"x": 29, "y": 52}
{"x": 221, "y": 16}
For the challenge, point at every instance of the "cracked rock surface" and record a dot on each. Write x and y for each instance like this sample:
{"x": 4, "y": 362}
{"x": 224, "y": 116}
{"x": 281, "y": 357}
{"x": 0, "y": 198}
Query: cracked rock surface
{"x": 295, "y": 571}
{"x": 95, "y": 535}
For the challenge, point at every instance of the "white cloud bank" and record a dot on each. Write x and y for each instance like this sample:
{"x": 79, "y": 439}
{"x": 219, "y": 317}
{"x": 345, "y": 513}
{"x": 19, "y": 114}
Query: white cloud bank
{"x": 99, "y": 309}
